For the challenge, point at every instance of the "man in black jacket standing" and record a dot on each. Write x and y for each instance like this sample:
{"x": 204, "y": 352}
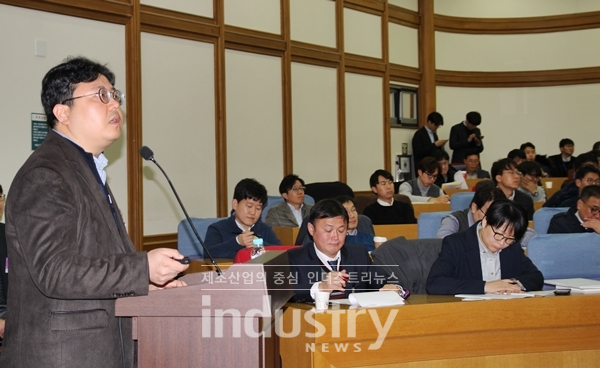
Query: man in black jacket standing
{"x": 464, "y": 136}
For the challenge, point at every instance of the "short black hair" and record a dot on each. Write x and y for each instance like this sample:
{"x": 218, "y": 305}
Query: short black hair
{"x": 596, "y": 146}
{"x": 435, "y": 118}
{"x": 584, "y": 170}
{"x": 60, "y": 82}
{"x": 526, "y": 145}
{"x": 532, "y": 168}
{"x": 345, "y": 198}
{"x": 429, "y": 165}
{"x": 440, "y": 155}
{"x": 288, "y": 181}
{"x": 374, "y": 179}
{"x": 474, "y": 118}
{"x": 590, "y": 191}
{"x": 327, "y": 208}
{"x": 585, "y": 159}
{"x": 472, "y": 152}
{"x": 250, "y": 189}
{"x": 563, "y": 142}
{"x": 499, "y": 166}
{"x": 504, "y": 212}
{"x": 516, "y": 153}
{"x": 486, "y": 193}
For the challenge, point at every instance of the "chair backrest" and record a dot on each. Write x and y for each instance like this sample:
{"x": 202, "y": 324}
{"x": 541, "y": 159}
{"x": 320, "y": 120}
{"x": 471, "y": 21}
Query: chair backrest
{"x": 560, "y": 256}
{"x": 273, "y": 200}
{"x": 429, "y": 223}
{"x": 542, "y": 217}
{"x": 460, "y": 201}
{"x": 408, "y": 260}
{"x": 330, "y": 189}
{"x": 187, "y": 243}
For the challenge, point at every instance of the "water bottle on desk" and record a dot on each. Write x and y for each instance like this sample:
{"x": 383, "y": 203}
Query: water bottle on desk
{"x": 258, "y": 248}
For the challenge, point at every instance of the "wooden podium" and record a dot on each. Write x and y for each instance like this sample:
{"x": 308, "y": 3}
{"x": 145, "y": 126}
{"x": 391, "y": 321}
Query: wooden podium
{"x": 225, "y": 321}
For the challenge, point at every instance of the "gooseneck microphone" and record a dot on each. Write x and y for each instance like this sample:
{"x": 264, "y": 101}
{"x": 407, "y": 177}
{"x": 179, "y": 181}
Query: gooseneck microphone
{"x": 148, "y": 155}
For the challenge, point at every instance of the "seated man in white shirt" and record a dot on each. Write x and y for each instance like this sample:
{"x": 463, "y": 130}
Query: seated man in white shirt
{"x": 292, "y": 210}
{"x": 422, "y": 188}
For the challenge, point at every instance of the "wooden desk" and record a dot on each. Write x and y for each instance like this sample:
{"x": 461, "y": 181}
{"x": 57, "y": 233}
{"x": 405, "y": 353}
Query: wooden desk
{"x": 556, "y": 184}
{"x": 442, "y": 331}
{"x": 287, "y": 235}
{"x": 409, "y": 231}
{"x": 203, "y": 265}
{"x": 472, "y": 182}
{"x": 429, "y": 207}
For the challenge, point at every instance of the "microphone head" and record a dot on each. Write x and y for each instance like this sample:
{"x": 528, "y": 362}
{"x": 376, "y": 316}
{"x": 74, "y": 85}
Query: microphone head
{"x": 146, "y": 153}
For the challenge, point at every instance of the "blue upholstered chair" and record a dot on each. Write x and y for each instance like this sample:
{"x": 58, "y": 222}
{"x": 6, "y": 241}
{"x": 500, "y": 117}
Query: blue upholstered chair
{"x": 273, "y": 200}
{"x": 461, "y": 200}
{"x": 560, "y": 256}
{"x": 187, "y": 243}
{"x": 542, "y": 217}
{"x": 429, "y": 223}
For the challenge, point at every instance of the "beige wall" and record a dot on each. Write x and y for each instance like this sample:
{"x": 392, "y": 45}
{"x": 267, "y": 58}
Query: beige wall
{"x": 260, "y": 15}
{"x": 313, "y": 21}
{"x": 196, "y": 7}
{"x": 512, "y": 8}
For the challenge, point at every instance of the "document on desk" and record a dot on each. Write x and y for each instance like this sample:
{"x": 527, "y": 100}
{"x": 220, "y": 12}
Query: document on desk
{"x": 529, "y": 294}
{"x": 577, "y": 285}
{"x": 376, "y": 299}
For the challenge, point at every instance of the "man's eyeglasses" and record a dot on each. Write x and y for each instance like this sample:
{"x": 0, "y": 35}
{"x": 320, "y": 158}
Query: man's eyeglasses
{"x": 591, "y": 181}
{"x": 500, "y": 237}
{"x": 104, "y": 94}
{"x": 594, "y": 210}
{"x": 431, "y": 176}
{"x": 513, "y": 173}
{"x": 298, "y": 189}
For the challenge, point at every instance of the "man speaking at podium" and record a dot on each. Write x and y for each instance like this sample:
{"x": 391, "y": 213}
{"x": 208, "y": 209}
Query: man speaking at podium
{"x": 70, "y": 256}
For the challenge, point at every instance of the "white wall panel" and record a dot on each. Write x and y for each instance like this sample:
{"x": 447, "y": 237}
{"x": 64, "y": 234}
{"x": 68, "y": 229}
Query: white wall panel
{"x": 21, "y": 74}
{"x": 314, "y": 122}
{"x": 512, "y": 8}
{"x": 254, "y": 119}
{"x": 260, "y": 15}
{"x": 404, "y": 45}
{"x": 511, "y": 116}
{"x": 196, "y": 7}
{"x": 179, "y": 126}
{"x": 313, "y": 21}
{"x": 407, "y": 4}
{"x": 540, "y": 51}
{"x": 362, "y": 33}
{"x": 364, "y": 128}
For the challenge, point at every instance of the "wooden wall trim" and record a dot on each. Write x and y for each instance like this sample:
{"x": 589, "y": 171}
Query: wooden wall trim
{"x": 364, "y": 65}
{"x": 160, "y": 241}
{"x": 255, "y": 41}
{"x": 427, "y": 91}
{"x": 555, "y": 23}
{"x": 406, "y": 74}
{"x": 341, "y": 95}
{"x": 374, "y": 7}
{"x": 105, "y": 11}
{"x": 325, "y": 54}
{"x": 403, "y": 16}
{"x": 221, "y": 194}
{"x": 176, "y": 24}
{"x": 385, "y": 85}
{"x": 287, "y": 146}
{"x": 539, "y": 78}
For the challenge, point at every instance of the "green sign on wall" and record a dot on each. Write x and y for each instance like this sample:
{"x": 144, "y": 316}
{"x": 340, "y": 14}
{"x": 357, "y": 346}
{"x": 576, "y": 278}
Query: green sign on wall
{"x": 39, "y": 129}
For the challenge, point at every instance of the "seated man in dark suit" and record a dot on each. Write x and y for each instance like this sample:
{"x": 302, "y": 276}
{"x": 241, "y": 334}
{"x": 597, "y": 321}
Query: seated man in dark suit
{"x": 353, "y": 235}
{"x": 487, "y": 258}
{"x": 330, "y": 265}
{"x": 425, "y": 141}
{"x": 386, "y": 210}
{"x": 472, "y": 166}
{"x": 292, "y": 210}
{"x": 508, "y": 178}
{"x": 583, "y": 217}
{"x": 563, "y": 162}
{"x": 226, "y": 237}
{"x": 569, "y": 194}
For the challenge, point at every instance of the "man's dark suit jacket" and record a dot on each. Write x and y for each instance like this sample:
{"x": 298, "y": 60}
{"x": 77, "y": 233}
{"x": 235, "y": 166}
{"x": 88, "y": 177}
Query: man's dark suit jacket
{"x": 566, "y": 223}
{"x": 459, "y": 142}
{"x": 526, "y": 202}
{"x": 422, "y": 146}
{"x": 559, "y": 168}
{"x": 306, "y": 266}
{"x": 70, "y": 258}
{"x": 3, "y": 256}
{"x": 458, "y": 267}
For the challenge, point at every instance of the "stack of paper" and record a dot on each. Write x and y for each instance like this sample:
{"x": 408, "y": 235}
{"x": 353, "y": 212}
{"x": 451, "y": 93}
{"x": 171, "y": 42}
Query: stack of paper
{"x": 577, "y": 285}
{"x": 376, "y": 299}
{"x": 494, "y": 296}
{"x": 452, "y": 186}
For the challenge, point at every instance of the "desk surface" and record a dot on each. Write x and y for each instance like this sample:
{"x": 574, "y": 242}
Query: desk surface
{"x": 438, "y": 331}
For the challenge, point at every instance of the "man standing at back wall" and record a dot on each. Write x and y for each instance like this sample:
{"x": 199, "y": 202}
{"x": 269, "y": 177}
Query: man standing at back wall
{"x": 426, "y": 141}
{"x": 70, "y": 256}
{"x": 466, "y": 136}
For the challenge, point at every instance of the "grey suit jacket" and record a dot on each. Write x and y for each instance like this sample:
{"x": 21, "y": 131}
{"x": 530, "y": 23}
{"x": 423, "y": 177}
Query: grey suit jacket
{"x": 281, "y": 215}
{"x": 69, "y": 260}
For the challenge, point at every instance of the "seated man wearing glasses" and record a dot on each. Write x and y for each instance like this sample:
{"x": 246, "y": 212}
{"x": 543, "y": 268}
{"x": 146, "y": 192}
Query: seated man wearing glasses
{"x": 508, "y": 178}
{"x": 487, "y": 258}
{"x": 387, "y": 210}
{"x": 292, "y": 210}
{"x": 422, "y": 188}
{"x": 583, "y": 217}
{"x": 567, "y": 196}
{"x": 531, "y": 172}
{"x": 472, "y": 167}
